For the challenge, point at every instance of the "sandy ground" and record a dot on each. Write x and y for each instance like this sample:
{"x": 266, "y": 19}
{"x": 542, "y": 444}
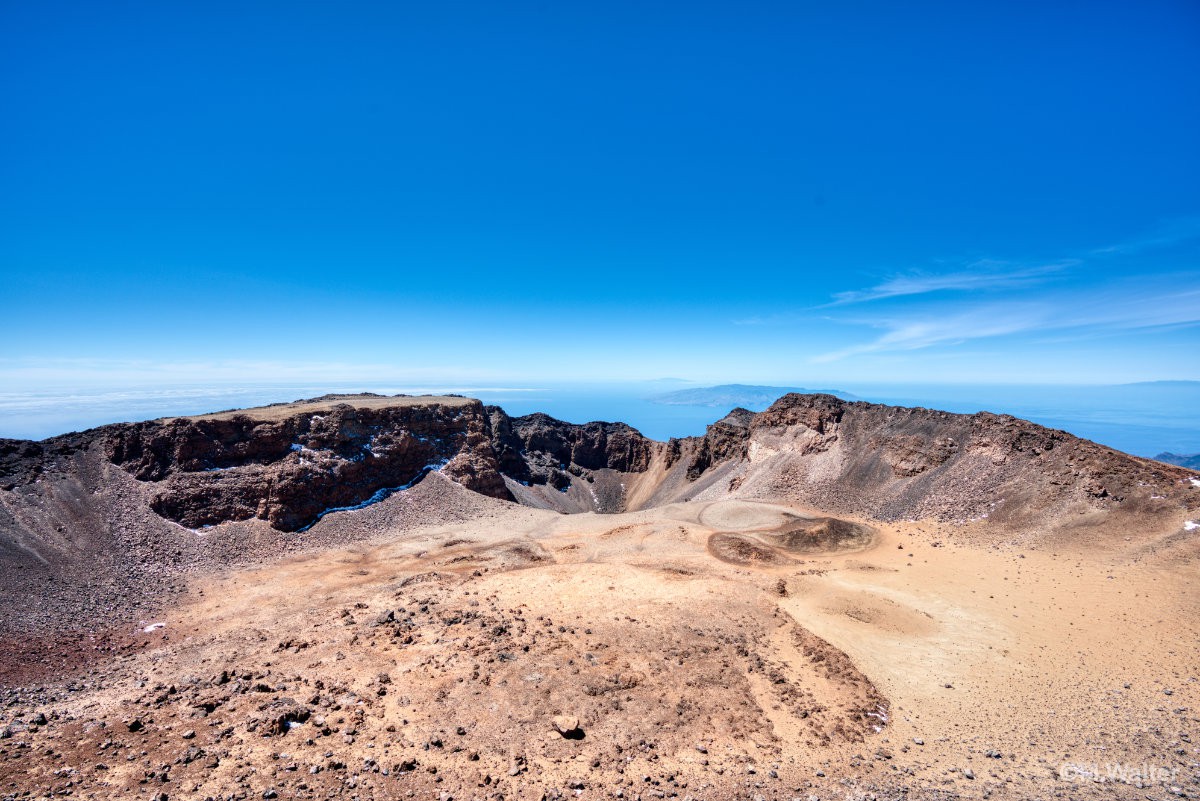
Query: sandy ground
{"x": 282, "y": 411}
{"x": 530, "y": 654}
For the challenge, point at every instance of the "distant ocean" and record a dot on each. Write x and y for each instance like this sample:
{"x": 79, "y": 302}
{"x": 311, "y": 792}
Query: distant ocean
{"x": 1144, "y": 419}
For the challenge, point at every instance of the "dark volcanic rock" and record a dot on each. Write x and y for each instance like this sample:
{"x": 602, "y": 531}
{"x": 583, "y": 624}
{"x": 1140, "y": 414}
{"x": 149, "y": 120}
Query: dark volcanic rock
{"x": 290, "y": 464}
{"x": 290, "y": 471}
{"x": 725, "y": 439}
{"x": 893, "y": 462}
{"x": 551, "y": 449}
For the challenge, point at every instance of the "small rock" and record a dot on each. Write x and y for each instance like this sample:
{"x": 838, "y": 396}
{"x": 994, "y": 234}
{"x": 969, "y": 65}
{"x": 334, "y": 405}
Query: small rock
{"x": 970, "y": 774}
{"x": 918, "y": 741}
{"x": 567, "y": 726}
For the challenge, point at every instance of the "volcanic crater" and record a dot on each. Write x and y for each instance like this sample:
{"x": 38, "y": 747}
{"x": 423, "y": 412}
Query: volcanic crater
{"x": 377, "y": 597}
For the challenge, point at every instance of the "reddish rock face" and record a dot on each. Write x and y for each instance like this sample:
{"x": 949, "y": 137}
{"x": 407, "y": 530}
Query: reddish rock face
{"x": 291, "y": 469}
{"x": 890, "y": 462}
{"x": 724, "y": 440}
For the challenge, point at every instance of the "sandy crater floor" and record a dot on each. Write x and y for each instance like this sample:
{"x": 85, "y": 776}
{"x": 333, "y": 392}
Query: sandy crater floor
{"x": 433, "y": 663}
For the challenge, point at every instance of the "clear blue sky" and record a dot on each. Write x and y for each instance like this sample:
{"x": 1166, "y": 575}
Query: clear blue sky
{"x": 760, "y": 192}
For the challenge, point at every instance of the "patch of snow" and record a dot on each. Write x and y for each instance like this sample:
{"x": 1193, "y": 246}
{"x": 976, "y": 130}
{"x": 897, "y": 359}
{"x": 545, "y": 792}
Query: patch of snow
{"x": 154, "y": 627}
{"x": 296, "y": 446}
{"x": 1191, "y": 525}
{"x": 1195, "y": 482}
{"x": 881, "y": 715}
{"x": 291, "y": 724}
{"x": 370, "y": 448}
{"x": 379, "y": 495}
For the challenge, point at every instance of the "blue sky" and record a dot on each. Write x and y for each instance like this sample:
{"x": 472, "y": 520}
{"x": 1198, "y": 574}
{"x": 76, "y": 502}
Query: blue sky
{"x": 480, "y": 192}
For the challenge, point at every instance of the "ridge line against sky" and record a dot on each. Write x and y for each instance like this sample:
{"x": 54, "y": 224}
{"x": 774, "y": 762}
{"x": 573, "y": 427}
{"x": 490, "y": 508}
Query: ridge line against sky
{"x": 466, "y": 194}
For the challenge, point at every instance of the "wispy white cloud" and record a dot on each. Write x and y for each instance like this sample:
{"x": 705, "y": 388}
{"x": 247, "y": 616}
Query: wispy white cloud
{"x": 977, "y": 276}
{"x": 916, "y": 332}
{"x": 1167, "y": 234}
{"x": 1091, "y": 312}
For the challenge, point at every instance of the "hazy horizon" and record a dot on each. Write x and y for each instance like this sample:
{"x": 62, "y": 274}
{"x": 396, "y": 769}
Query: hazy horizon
{"x": 1143, "y": 419}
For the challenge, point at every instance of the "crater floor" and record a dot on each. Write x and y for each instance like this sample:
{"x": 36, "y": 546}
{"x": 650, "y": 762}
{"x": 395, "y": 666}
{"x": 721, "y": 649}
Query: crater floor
{"x": 523, "y": 653}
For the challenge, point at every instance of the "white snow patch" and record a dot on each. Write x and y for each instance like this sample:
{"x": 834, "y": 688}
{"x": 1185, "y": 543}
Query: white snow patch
{"x": 296, "y": 446}
{"x": 375, "y": 450}
{"x": 1191, "y": 525}
{"x": 379, "y": 495}
{"x": 154, "y": 627}
{"x": 881, "y": 715}
{"x": 1195, "y": 482}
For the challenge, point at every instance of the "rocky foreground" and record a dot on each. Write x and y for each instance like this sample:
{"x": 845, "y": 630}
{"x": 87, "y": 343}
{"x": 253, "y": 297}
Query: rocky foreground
{"x": 370, "y": 597}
